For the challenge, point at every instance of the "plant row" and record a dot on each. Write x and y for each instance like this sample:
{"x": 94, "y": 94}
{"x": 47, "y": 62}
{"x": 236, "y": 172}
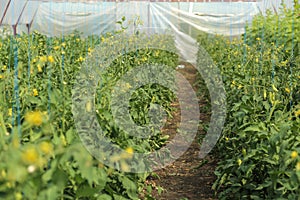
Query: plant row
{"x": 42, "y": 156}
{"x": 260, "y": 146}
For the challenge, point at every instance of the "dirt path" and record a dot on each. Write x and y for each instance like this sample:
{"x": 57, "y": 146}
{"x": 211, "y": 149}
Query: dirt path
{"x": 187, "y": 178}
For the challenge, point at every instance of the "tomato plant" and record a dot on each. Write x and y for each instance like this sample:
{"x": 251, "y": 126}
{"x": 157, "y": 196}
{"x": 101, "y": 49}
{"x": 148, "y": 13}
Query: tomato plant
{"x": 260, "y": 143}
{"x": 41, "y": 155}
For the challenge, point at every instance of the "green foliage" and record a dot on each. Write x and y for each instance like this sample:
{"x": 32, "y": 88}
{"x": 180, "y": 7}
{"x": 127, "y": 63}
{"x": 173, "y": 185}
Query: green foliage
{"x": 260, "y": 143}
{"x": 44, "y": 157}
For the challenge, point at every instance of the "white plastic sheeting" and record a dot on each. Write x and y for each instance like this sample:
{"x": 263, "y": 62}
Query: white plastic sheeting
{"x": 13, "y": 11}
{"x": 97, "y": 18}
{"x": 63, "y": 18}
{"x": 29, "y": 12}
{"x": 57, "y": 17}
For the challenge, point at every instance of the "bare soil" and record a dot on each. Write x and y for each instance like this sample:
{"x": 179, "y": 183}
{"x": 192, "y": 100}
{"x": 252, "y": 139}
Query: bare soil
{"x": 189, "y": 177}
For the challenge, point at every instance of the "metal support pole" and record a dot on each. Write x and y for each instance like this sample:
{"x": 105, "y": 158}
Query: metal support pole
{"x": 14, "y": 29}
{"x": 5, "y": 11}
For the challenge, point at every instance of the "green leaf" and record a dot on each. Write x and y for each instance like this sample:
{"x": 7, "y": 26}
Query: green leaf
{"x": 70, "y": 135}
{"x": 254, "y": 128}
{"x": 47, "y": 176}
{"x": 51, "y": 193}
{"x": 159, "y": 190}
{"x": 130, "y": 187}
{"x": 104, "y": 197}
{"x": 87, "y": 191}
{"x": 255, "y": 197}
{"x": 119, "y": 197}
{"x": 60, "y": 178}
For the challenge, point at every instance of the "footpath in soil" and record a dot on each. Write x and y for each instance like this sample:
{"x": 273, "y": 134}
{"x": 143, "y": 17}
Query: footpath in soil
{"x": 189, "y": 177}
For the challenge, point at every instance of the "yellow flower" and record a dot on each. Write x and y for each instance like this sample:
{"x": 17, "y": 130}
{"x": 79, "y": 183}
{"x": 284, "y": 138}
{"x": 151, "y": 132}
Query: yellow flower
{"x": 46, "y": 147}
{"x": 4, "y": 67}
{"x": 297, "y": 113}
{"x": 287, "y": 90}
{"x": 240, "y": 87}
{"x": 1, "y": 76}
{"x": 258, "y": 39}
{"x": 77, "y": 40}
{"x": 80, "y": 59}
{"x": 294, "y": 154}
{"x": 35, "y": 92}
{"x": 56, "y": 48}
{"x": 39, "y": 67}
{"x": 9, "y": 113}
{"x": 34, "y": 118}
{"x": 63, "y": 44}
{"x": 30, "y": 156}
{"x": 129, "y": 150}
{"x": 298, "y": 166}
{"x": 51, "y": 59}
{"x": 226, "y": 138}
{"x": 284, "y": 63}
{"x": 239, "y": 162}
{"x": 63, "y": 52}
{"x": 43, "y": 58}
{"x": 128, "y": 153}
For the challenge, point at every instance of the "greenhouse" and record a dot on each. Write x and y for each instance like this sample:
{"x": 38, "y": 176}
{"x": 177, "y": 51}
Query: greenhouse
{"x": 157, "y": 99}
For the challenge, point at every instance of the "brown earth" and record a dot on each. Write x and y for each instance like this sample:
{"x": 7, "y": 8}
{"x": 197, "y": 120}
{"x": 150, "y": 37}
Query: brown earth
{"x": 189, "y": 177}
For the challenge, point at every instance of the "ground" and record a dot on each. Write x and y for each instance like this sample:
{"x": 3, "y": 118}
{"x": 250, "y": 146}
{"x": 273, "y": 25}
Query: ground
{"x": 189, "y": 177}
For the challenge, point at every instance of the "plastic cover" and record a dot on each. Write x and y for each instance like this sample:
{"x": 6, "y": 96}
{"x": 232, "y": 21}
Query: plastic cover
{"x": 216, "y": 18}
{"x": 91, "y": 17}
